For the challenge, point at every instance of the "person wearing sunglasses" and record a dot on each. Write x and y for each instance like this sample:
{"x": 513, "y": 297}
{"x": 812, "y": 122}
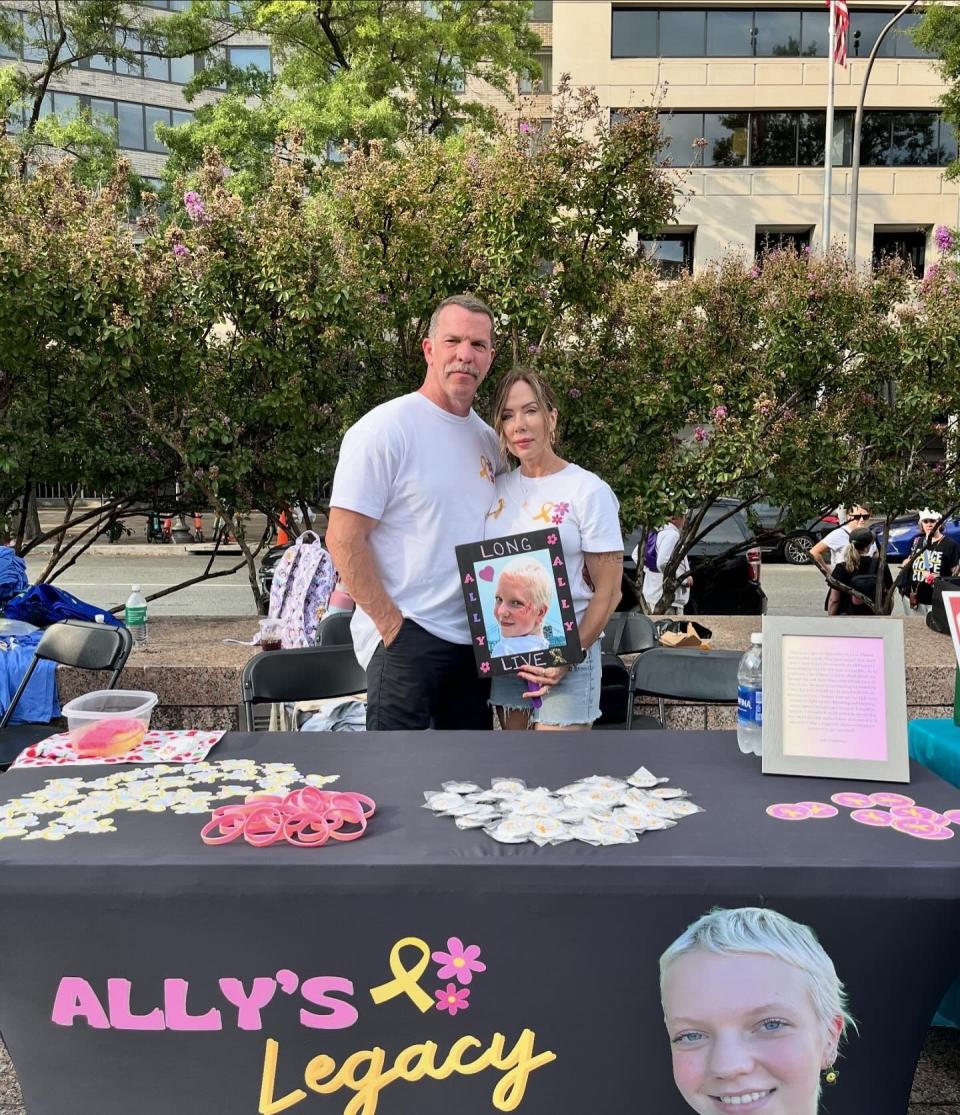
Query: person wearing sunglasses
{"x": 931, "y": 556}
{"x": 832, "y": 549}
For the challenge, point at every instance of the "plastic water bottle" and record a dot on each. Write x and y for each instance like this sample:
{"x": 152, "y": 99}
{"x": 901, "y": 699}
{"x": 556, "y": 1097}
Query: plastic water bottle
{"x": 135, "y": 617}
{"x": 750, "y": 698}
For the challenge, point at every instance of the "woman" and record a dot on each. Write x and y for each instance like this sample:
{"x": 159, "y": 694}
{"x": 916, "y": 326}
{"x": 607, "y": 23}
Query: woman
{"x": 755, "y": 1013}
{"x": 858, "y": 570}
{"x": 931, "y": 556}
{"x": 547, "y": 491}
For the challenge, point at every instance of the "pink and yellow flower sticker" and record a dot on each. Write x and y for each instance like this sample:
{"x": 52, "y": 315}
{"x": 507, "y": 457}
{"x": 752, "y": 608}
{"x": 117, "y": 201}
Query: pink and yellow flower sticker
{"x": 884, "y": 809}
{"x": 460, "y": 962}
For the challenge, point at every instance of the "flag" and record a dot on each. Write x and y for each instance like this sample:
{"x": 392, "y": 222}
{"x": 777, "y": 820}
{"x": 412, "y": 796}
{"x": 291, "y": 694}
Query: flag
{"x": 841, "y": 26}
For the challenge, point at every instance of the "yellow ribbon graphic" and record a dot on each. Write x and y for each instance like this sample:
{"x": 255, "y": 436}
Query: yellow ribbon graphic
{"x": 406, "y": 980}
{"x": 545, "y": 509}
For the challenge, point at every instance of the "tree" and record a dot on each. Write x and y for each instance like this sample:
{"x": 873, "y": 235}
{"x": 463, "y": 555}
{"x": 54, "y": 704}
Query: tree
{"x": 938, "y": 31}
{"x": 348, "y": 71}
{"x": 50, "y": 37}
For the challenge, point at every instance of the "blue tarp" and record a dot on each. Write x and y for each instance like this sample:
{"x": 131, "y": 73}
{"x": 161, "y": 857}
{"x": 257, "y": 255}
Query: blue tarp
{"x": 13, "y": 575}
{"x": 39, "y": 703}
{"x": 45, "y": 604}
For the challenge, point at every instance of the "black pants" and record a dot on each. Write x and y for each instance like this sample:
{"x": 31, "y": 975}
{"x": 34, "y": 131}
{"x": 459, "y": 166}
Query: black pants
{"x": 420, "y": 682}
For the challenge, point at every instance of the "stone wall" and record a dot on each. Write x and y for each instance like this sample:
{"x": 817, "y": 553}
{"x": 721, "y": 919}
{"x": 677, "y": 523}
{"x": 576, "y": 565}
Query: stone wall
{"x": 196, "y": 674}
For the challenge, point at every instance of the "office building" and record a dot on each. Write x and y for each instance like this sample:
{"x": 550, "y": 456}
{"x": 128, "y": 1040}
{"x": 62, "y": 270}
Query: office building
{"x": 742, "y": 90}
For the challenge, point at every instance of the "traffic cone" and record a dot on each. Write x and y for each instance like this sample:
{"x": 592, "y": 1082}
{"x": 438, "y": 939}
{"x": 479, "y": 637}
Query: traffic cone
{"x": 282, "y": 537}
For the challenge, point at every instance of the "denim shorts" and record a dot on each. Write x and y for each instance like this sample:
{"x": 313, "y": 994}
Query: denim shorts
{"x": 573, "y": 700}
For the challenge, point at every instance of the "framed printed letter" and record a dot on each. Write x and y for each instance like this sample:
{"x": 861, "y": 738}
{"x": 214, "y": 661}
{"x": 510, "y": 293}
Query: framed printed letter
{"x": 834, "y": 698}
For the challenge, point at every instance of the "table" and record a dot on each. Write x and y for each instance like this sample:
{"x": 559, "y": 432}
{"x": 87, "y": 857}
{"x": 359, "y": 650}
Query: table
{"x": 936, "y": 744}
{"x": 570, "y": 936}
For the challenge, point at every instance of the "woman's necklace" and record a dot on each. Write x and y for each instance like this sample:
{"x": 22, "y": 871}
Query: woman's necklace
{"x": 528, "y": 493}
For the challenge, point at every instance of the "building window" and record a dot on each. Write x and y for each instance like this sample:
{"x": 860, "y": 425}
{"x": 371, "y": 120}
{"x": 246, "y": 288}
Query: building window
{"x": 791, "y": 138}
{"x": 244, "y": 56}
{"x": 542, "y": 11}
{"x": 910, "y": 245}
{"x": 780, "y": 239}
{"x": 750, "y": 32}
{"x": 543, "y": 84}
{"x": 670, "y": 252}
{"x": 134, "y": 123}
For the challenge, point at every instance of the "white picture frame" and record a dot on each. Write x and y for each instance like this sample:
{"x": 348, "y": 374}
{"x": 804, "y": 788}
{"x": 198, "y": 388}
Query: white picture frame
{"x": 834, "y": 698}
{"x": 951, "y": 605}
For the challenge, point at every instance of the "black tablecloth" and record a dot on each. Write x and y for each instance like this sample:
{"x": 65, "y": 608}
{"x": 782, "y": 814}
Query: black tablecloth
{"x": 570, "y": 934}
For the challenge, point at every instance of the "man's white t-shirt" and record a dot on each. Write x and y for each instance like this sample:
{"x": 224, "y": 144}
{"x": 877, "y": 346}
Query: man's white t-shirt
{"x": 427, "y": 477}
{"x": 838, "y": 540}
{"x": 577, "y": 502}
{"x": 667, "y": 538}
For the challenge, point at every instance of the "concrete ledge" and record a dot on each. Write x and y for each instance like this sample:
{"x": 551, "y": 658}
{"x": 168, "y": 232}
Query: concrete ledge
{"x": 197, "y": 676}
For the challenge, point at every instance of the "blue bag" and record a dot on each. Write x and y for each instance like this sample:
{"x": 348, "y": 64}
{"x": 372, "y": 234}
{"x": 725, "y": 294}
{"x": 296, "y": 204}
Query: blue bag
{"x": 45, "y": 604}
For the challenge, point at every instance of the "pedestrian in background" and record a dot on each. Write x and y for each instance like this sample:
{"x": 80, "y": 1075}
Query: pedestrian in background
{"x": 858, "y": 570}
{"x": 931, "y": 556}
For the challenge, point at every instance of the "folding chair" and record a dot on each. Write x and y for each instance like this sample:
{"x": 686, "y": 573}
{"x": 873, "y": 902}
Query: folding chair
{"x": 625, "y": 633}
{"x": 684, "y": 674}
{"x": 304, "y": 674}
{"x": 77, "y": 643}
{"x": 334, "y": 630}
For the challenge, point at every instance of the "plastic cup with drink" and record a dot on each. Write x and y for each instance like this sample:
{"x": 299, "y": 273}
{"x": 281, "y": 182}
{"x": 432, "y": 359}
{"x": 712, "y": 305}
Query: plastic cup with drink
{"x": 270, "y": 634}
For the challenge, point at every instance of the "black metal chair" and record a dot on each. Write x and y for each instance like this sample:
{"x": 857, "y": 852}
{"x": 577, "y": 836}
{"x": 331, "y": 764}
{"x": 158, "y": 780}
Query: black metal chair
{"x": 334, "y": 630}
{"x": 77, "y": 643}
{"x": 684, "y": 674}
{"x": 304, "y": 674}
{"x": 625, "y": 633}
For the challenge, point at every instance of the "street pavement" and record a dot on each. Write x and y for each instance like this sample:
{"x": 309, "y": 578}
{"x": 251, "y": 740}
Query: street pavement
{"x": 103, "y": 578}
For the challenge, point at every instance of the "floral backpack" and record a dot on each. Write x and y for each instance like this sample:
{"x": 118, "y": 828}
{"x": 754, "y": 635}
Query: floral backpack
{"x": 302, "y": 583}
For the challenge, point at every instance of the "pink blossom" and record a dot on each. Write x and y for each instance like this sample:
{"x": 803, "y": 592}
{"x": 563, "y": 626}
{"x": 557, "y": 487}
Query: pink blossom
{"x": 525, "y": 128}
{"x": 574, "y": 392}
{"x": 551, "y": 539}
{"x": 719, "y": 413}
{"x": 194, "y": 205}
{"x": 181, "y": 251}
{"x": 700, "y": 434}
{"x": 485, "y": 667}
{"x": 460, "y": 962}
{"x": 533, "y": 349}
{"x": 943, "y": 237}
{"x": 452, "y": 998}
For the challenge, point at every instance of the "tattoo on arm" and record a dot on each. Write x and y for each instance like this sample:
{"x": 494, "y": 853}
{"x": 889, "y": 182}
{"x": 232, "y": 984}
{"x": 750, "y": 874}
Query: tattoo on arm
{"x": 612, "y": 557}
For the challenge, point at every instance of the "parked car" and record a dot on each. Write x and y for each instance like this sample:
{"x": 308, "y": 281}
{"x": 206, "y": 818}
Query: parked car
{"x": 775, "y": 536}
{"x": 904, "y": 529}
{"x": 722, "y": 586}
{"x": 268, "y": 565}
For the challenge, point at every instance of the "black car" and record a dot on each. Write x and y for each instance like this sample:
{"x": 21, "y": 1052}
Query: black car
{"x": 268, "y": 565}
{"x": 724, "y": 584}
{"x": 775, "y": 535}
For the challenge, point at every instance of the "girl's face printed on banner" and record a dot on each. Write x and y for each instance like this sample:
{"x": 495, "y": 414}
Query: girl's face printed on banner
{"x": 744, "y": 1034}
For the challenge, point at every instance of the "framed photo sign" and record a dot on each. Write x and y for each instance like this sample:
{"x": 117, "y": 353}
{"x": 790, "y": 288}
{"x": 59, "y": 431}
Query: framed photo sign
{"x": 518, "y": 602}
{"x": 834, "y": 698}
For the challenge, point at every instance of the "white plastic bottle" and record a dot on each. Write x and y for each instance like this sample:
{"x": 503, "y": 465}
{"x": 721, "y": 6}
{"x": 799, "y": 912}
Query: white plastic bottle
{"x": 135, "y": 617}
{"x": 750, "y": 698}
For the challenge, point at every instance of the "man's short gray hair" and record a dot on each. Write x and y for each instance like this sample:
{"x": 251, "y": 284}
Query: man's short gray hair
{"x": 468, "y": 302}
{"x": 752, "y": 929}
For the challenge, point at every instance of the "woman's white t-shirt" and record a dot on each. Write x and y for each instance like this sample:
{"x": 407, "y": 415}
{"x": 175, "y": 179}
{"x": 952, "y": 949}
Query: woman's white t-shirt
{"x": 578, "y": 503}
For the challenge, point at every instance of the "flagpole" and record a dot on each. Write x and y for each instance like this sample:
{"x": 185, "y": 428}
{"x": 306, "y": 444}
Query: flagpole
{"x": 828, "y": 141}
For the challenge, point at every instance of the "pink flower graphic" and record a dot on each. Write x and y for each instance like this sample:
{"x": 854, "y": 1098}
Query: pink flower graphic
{"x": 452, "y": 998}
{"x": 551, "y": 539}
{"x": 485, "y": 667}
{"x": 459, "y": 963}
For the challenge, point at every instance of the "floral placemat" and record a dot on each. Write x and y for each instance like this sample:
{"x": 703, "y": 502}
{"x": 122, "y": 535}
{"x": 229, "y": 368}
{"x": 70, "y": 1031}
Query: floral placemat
{"x": 179, "y": 746}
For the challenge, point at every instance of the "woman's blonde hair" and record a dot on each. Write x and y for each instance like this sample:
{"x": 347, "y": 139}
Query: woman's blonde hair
{"x": 752, "y": 929}
{"x": 535, "y": 579}
{"x": 860, "y": 541}
{"x": 542, "y": 392}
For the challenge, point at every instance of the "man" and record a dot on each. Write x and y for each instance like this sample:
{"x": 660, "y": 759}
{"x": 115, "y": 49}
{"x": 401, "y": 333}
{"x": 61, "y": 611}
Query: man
{"x": 667, "y": 538}
{"x": 415, "y": 479}
{"x": 836, "y": 542}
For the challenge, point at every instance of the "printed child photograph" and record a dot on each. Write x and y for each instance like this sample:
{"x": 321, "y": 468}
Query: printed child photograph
{"x": 519, "y": 603}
